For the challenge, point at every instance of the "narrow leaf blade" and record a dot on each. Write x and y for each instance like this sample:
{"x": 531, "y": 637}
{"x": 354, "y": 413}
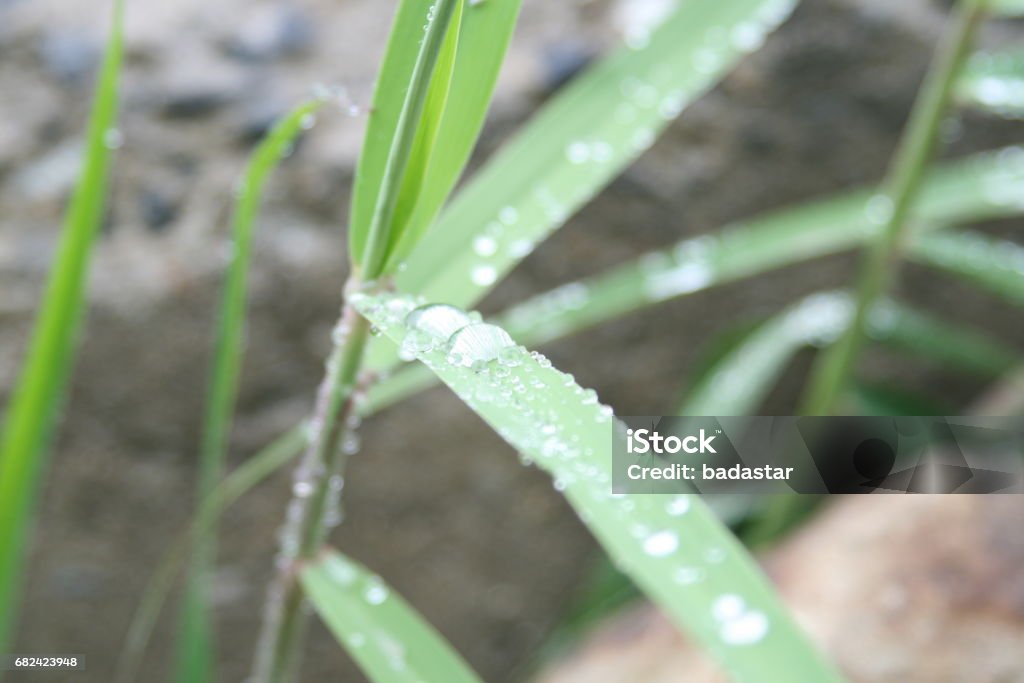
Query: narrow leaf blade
{"x": 194, "y": 661}
{"x": 483, "y": 34}
{"x": 993, "y": 82}
{"x": 738, "y": 382}
{"x": 36, "y": 400}
{"x": 673, "y": 547}
{"x": 389, "y": 641}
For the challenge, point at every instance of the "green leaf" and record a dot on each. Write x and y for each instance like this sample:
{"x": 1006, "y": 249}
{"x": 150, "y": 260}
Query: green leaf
{"x": 483, "y": 39}
{"x": 977, "y": 188}
{"x": 673, "y": 547}
{"x": 416, "y": 172}
{"x": 454, "y": 108}
{"x": 738, "y": 383}
{"x": 1006, "y": 8}
{"x": 994, "y": 82}
{"x": 995, "y": 264}
{"x": 195, "y": 641}
{"x": 38, "y": 395}
{"x": 581, "y": 140}
{"x": 389, "y": 641}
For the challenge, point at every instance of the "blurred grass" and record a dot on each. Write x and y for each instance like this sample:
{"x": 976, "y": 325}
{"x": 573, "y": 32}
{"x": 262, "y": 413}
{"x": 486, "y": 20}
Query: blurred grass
{"x": 38, "y": 395}
{"x": 247, "y": 476}
{"x": 834, "y": 368}
{"x": 195, "y": 660}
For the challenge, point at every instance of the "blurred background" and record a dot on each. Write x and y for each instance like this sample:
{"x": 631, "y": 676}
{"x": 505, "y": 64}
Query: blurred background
{"x": 436, "y": 503}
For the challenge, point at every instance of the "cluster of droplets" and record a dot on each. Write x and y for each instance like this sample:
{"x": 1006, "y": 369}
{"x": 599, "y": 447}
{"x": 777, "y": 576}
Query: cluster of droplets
{"x": 337, "y": 95}
{"x": 819, "y": 319}
{"x": 738, "y": 624}
{"x": 564, "y": 429}
{"x": 373, "y": 592}
{"x": 991, "y": 80}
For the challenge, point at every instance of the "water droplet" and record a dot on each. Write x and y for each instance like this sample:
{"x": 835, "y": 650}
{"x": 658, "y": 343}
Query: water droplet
{"x": 483, "y": 275}
{"x": 440, "y": 321}
{"x": 520, "y": 248}
{"x": 307, "y": 121}
{"x": 113, "y": 138}
{"x": 746, "y": 629}
{"x": 485, "y": 245}
{"x": 678, "y": 506}
{"x": 509, "y": 215}
{"x": 578, "y": 153}
{"x": 728, "y": 606}
{"x": 478, "y": 344}
{"x": 748, "y": 37}
{"x": 878, "y": 209}
{"x": 686, "y": 576}
{"x": 341, "y": 570}
{"x": 682, "y": 279}
{"x": 376, "y": 592}
{"x": 661, "y": 544}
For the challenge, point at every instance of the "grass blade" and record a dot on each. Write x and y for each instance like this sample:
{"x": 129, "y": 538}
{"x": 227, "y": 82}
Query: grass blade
{"x": 255, "y": 470}
{"x": 195, "y": 649}
{"x": 995, "y": 264}
{"x": 37, "y": 398}
{"x": 737, "y": 383}
{"x": 1006, "y": 8}
{"x": 389, "y": 641}
{"x": 980, "y": 187}
{"x": 994, "y": 82}
{"x": 402, "y": 102}
{"x": 429, "y": 107}
{"x": 672, "y": 547}
{"x": 834, "y": 368}
{"x": 578, "y": 143}
{"x": 484, "y": 34}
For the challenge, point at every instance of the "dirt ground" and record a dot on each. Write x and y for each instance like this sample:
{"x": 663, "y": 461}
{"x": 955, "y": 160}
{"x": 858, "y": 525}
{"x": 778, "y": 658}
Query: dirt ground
{"x": 483, "y": 547}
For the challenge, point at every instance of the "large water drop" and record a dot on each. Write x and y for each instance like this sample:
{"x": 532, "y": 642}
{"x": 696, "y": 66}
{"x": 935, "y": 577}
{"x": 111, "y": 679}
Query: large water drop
{"x": 476, "y": 344}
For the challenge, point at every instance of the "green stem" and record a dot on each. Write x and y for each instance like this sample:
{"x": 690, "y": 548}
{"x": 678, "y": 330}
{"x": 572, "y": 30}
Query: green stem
{"x": 375, "y": 253}
{"x": 316, "y": 489}
{"x": 832, "y": 372}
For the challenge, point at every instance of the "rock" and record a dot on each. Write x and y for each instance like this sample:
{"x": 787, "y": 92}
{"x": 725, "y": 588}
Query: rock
{"x": 914, "y": 589}
{"x": 157, "y": 210}
{"x": 70, "y": 56}
{"x": 52, "y": 175}
{"x": 270, "y": 33}
{"x": 194, "y": 102}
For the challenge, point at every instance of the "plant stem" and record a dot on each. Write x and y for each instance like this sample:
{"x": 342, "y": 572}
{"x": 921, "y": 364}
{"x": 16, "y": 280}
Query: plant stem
{"x": 318, "y": 478}
{"x": 317, "y": 484}
{"x": 899, "y": 190}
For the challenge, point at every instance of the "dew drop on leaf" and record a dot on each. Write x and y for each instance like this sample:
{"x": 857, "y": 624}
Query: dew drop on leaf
{"x": 478, "y": 343}
{"x": 439, "y": 321}
{"x": 661, "y": 543}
